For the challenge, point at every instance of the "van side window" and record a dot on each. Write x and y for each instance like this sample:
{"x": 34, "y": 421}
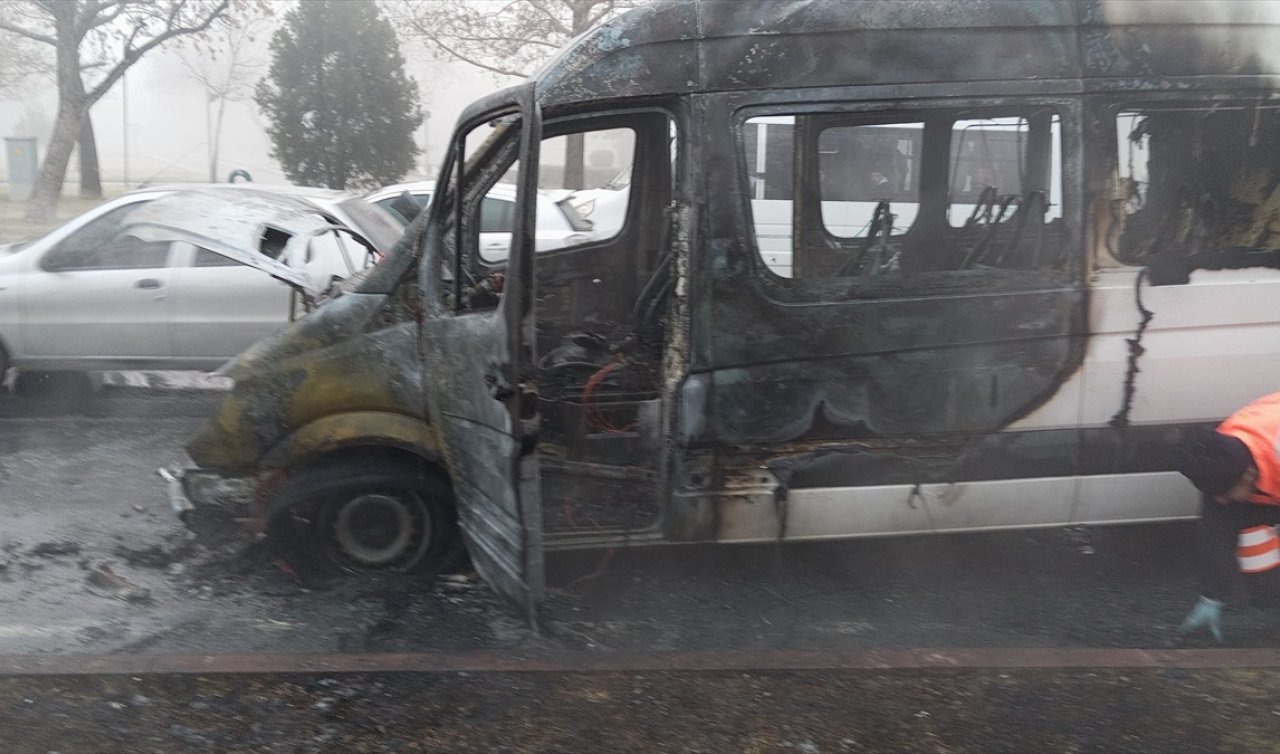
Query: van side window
{"x": 579, "y": 200}
{"x": 860, "y": 166}
{"x": 587, "y": 178}
{"x": 863, "y": 195}
{"x": 583, "y": 200}
{"x": 472, "y": 261}
{"x": 1195, "y": 178}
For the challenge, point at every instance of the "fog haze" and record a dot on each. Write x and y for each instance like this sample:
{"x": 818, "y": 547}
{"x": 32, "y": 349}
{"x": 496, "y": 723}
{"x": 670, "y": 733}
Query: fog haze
{"x": 168, "y": 117}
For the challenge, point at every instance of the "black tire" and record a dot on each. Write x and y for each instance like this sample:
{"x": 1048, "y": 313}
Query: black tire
{"x": 366, "y": 516}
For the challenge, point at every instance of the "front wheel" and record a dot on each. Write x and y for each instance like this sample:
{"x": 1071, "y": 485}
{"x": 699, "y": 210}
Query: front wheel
{"x": 361, "y": 517}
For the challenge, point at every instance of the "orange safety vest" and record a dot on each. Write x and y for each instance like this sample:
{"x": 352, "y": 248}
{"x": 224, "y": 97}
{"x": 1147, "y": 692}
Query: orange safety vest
{"x": 1258, "y": 549}
{"x": 1257, "y": 425}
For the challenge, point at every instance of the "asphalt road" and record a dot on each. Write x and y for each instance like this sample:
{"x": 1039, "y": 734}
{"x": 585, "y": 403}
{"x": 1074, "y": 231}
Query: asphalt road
{"x": 978, "y": 711}
{"x": 93, "y": 560}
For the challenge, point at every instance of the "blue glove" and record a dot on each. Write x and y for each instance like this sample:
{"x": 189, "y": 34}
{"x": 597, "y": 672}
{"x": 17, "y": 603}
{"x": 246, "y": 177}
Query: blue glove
{"x": 1206, "y": 614}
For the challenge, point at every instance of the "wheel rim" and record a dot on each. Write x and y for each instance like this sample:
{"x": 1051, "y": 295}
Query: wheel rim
{"x": 377, "y": 531}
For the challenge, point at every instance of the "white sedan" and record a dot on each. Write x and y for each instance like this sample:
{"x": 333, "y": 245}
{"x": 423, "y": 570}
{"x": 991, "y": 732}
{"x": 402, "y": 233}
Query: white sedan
{"x": 559, "y": 225}
{"x": 178, "y": 278}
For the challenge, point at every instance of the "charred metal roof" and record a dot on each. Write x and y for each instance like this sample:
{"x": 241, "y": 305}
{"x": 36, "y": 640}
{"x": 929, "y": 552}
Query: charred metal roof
{"x": 685, "y": 46}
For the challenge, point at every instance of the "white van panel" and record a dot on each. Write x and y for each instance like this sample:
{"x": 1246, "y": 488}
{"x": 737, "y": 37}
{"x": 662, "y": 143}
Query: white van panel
{"x": 1211, "y": 346}
{"x": 826, "y": 513}
{"x": 845, "y": 512}
{"x": 842, "y": 512}
{"x": 968, "y": 506}
{"x": 1122, "y": 498}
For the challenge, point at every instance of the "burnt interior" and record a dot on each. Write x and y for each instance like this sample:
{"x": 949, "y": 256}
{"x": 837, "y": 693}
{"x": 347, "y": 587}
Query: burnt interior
{"x": 931, "y": 289}
{"x": 938, "y": 189}
{"x": 601, "y": 333}
{"x": 1198, "y": 187}
{"x": 601, "y": 309}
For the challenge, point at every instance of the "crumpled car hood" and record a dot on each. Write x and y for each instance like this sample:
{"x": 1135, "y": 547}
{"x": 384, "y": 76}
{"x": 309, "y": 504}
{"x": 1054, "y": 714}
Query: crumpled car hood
{"x": 263, "y": 231}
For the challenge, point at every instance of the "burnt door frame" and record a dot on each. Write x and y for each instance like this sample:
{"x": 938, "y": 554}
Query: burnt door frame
{"x": 478, "y": 351}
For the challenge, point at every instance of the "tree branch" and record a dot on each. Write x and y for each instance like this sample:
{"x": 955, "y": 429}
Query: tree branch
{"x": 133, "y": 34}
{"x": 604, "y": 9}
{"x": 28, "y": 33}
{"x": 477, "y": 63}
{"x": 133, "y": 54}
{"x": 557, "y": 24}
{"x": 87, "y": 18}
{"x": 503, "y": 39}
{"x": 501, "y": 36}
{"x": 93, "y": 21}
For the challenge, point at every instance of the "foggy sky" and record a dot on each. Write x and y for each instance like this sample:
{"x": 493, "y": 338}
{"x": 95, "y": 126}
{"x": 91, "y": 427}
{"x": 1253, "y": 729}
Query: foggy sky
{"x": 167, "y": 134}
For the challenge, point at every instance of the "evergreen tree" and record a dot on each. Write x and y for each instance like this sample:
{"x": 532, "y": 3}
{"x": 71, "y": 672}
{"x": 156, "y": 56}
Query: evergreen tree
{"x": 342, "y": 111}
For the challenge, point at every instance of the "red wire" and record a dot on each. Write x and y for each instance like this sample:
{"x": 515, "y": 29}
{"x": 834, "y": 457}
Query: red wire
{"x": 595, "y": 418}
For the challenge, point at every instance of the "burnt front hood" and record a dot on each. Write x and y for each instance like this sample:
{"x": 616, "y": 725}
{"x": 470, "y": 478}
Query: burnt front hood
{"x": 260, "y": 410}
{"x": 345, "y": 317}
{"x": 267, "y": 232}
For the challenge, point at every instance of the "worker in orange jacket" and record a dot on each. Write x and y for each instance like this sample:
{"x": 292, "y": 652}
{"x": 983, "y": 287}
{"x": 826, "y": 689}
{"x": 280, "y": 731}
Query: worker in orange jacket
{"x": 1237, "y": 468}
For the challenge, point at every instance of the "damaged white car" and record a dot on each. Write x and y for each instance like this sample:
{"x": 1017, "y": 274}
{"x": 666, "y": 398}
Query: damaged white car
{"x": 179, "y": 279}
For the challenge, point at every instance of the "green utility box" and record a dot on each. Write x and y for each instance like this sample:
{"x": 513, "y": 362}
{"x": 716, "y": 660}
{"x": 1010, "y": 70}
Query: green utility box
{"x": 24, "y": 166}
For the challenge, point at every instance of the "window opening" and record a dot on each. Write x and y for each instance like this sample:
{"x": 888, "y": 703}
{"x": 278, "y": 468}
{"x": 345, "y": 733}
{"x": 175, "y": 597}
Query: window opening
{"x": 1195, "y": 179}
{"x": 273, "y": 241}
{"x": 891, "y": 195}
{"x": 206, "y": 258}
{"x": 768, "y": 144}
{"x": 602, "y": 307}
{"x": 101, "y": 244}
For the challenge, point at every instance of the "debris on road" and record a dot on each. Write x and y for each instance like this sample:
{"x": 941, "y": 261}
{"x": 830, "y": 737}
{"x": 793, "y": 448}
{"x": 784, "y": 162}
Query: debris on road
{"x": 121, "y": 588}
{"x": 55, "y": 549}
{"x": 457, "y": 582}
{"x": 160, "y": 555}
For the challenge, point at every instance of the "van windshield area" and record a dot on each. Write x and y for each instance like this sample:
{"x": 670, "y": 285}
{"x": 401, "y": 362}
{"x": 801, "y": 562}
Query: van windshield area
{"x": 860, "y": 195}
{"x": 1196, "y": 180}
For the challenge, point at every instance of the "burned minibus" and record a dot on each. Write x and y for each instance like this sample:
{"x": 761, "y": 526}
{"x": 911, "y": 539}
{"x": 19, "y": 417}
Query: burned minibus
{"x": 884, "y": 268}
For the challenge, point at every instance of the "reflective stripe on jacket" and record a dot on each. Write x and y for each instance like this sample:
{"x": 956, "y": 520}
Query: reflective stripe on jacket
{"x": 1258, "y": 549}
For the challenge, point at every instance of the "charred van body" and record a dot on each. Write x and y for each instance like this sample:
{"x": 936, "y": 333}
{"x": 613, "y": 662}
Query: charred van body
{"x": 885, "y": 267}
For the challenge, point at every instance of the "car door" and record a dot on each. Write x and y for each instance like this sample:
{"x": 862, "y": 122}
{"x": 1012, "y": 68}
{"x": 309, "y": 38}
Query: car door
{"x": 99, "y": 294}
{"x": 476, "y": 344}
{"x": 220, "y": 306}
{"x": 496, "y": 217}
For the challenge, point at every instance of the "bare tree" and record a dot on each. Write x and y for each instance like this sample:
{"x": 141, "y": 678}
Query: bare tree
{"x": 226, "y": 63}
{"x": 22, "y": 63}
{"x": 25, "y": 64}
{"x": 26, "y": 68}
{"x": 95, "y": 42}
{"x": 509, "y": 37}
